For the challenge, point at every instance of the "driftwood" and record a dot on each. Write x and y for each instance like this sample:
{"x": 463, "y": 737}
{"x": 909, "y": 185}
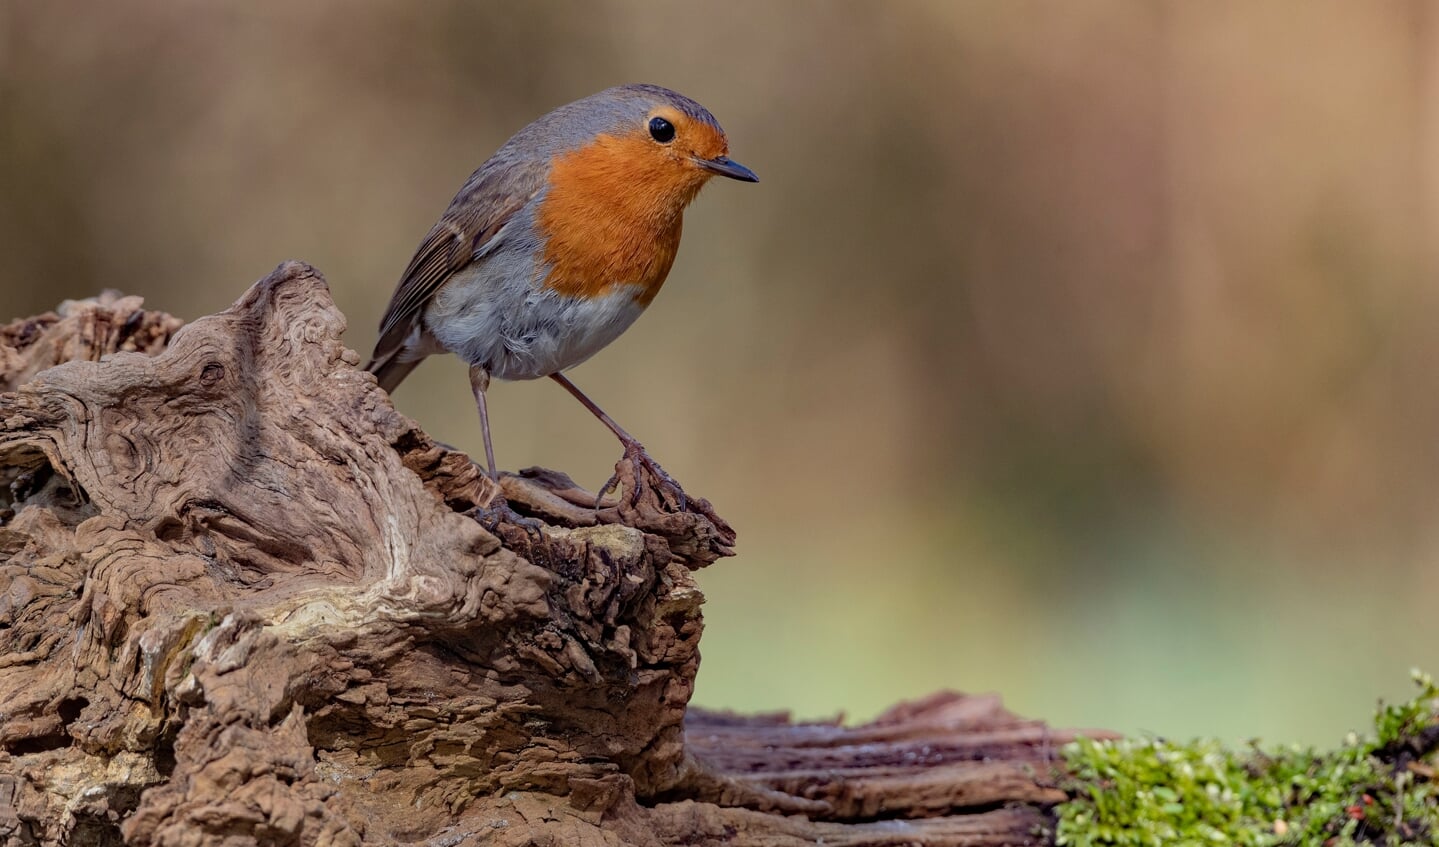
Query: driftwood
{"x": 244, "y": 601}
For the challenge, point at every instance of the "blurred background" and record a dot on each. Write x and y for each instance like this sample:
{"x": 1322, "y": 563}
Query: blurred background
{"x": 1081, "y": 352}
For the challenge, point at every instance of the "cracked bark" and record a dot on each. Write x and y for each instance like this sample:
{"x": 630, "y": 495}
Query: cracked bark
{"x": 244, "y": 601}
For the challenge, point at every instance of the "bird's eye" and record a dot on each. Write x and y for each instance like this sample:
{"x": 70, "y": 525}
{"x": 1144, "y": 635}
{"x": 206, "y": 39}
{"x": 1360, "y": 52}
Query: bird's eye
{"x": 662, "y": 130}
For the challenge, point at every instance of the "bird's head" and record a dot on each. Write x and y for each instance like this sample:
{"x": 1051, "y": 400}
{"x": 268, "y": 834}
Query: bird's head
{"x": 647, "y": 148}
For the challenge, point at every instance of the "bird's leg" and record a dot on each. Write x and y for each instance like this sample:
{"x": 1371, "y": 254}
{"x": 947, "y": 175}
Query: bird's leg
{"x": 634, "y": 450}
{"x": 479, "y": 383}
{"x": 491, "y": 516}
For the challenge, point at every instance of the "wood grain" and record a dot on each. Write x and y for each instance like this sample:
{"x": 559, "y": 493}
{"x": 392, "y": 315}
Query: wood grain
{"x": 244, "y": 601}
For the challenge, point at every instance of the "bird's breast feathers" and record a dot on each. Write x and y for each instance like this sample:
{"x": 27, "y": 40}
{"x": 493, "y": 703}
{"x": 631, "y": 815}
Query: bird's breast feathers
{"x": 606, "y": 223}
{"x": 492, "y": 314}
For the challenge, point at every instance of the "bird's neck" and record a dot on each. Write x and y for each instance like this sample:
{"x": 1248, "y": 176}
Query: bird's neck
{"x": 609, "y": 223}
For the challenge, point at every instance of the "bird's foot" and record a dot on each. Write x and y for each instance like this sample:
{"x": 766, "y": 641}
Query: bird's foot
{"x": 644, "y": 472}
{"x": 499, "y": 513}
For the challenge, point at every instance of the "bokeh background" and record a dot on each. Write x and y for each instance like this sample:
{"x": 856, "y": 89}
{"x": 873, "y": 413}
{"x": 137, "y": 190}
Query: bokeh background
{"x": 1082, "y": 352}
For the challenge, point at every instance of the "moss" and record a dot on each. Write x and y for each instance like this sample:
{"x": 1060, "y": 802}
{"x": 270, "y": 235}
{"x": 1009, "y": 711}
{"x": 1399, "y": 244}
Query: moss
{"x": 1377, "y": 790}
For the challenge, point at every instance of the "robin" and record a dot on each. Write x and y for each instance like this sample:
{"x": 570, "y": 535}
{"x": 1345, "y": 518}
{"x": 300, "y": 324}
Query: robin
{"x": 555, "y": 245}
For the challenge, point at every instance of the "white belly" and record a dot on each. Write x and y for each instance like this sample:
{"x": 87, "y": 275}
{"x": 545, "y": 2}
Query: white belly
{"x": 518, "y": 333}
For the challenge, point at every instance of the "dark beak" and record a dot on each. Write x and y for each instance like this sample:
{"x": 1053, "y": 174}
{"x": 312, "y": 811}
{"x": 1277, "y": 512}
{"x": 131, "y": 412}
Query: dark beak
{"x": 723, "y": 166}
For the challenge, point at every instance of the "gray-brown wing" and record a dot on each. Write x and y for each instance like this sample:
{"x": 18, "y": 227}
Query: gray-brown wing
{"x": 488, "y": 201}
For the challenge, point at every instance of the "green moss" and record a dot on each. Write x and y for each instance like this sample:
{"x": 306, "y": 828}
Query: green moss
{"x": 1372, "y": 791}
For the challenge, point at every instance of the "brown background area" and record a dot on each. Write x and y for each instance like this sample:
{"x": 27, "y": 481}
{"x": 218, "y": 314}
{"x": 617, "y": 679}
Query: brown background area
{"x": 1136, "y": 301}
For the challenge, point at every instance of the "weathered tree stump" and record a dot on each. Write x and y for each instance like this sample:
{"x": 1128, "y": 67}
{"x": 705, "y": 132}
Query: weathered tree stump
{"x": 244, "y": 601}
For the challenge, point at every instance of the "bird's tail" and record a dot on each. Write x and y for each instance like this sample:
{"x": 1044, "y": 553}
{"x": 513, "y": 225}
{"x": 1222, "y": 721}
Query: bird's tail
{"x": 390, "y": 370}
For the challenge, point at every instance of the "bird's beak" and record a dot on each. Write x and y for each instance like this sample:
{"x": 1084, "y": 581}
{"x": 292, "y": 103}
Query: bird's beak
{"x": 723, "y": 166}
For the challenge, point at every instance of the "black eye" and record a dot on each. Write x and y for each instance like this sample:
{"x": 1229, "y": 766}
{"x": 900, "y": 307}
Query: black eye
{"x": 662, "y": 130}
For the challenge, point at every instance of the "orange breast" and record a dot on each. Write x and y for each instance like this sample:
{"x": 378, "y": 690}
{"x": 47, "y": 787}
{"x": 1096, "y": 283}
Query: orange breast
{"x": 612, "y": 216}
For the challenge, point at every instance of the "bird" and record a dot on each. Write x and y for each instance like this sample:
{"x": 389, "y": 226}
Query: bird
{"x": 554, "y": 246}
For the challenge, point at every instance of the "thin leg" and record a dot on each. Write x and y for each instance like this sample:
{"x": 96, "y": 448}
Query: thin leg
{"x": 479, "y": 382}
{"x": 634, "y": 450}
{"x": 498, "y": 513}
{"x": 625, "y": 438}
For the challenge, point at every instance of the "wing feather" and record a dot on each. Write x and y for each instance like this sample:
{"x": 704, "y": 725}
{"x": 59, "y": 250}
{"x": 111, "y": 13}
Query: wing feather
{"x": 465, "y": 234}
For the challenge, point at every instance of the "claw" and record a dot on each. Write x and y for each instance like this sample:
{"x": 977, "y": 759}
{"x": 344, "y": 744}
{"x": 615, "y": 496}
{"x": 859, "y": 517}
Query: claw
{"x": 498, "y": 512}
{"x": 643, "y": 463}
{"x": 681, "y": 500}
{"x": 611, "y": 484}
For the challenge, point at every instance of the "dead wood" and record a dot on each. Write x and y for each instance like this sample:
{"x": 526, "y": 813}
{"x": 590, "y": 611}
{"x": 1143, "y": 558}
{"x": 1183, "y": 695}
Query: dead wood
{"x": 244, "y": 601}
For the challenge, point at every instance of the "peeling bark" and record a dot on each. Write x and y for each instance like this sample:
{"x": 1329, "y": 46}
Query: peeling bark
{"x": 243, "y": 601}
